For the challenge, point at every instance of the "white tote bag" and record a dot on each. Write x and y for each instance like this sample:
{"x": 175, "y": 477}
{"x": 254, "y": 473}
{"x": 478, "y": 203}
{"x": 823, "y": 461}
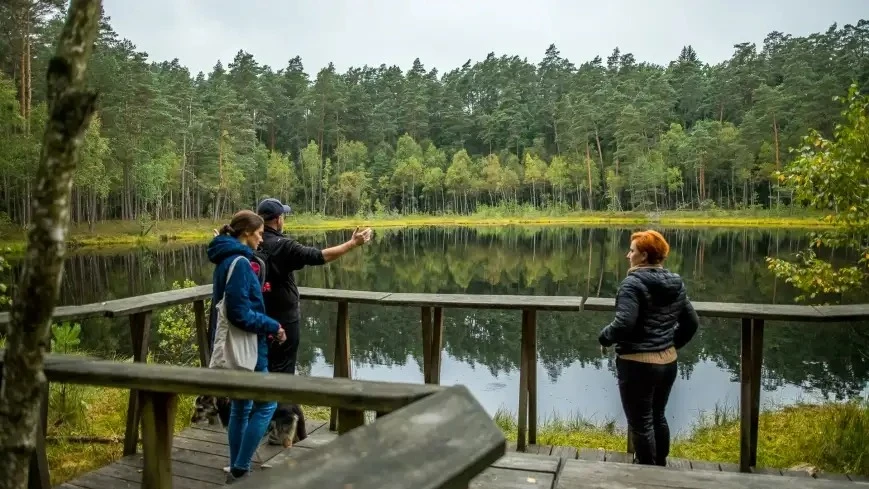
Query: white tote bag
{"x": 234, "y": 348}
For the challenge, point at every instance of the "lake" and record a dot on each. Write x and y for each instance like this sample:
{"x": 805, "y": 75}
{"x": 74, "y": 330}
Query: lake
{"x": 802, "y": 362}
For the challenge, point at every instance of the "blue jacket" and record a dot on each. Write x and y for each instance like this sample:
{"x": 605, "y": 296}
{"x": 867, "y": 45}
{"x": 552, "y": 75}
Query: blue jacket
{"x": 244, "y": 298}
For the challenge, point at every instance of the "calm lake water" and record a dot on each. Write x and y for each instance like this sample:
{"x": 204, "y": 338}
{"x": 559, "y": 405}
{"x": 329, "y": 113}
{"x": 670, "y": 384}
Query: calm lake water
{"x": 802, "y": 362}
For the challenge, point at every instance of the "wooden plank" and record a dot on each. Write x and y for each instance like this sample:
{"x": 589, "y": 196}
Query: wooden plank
{"x": 705, "y": 465}
{"x": 317, "y": 439}
{"x": 212, "y": 474}
{"x": 497, "y": 478}
{"x": 769, "y": 312}
{"x": 592, "y": 454}
{"x": 522, "y": 422}
{"x": 126, "y": 473}
{"x": 482, "y": 301}
{"x": 219, "y": 437}
{"x": 443, "y": 440}
{"x": 527, "y": 462}
{"x": 766, "y": 470}
{"x": 619, "y": 457}
{"x": 678, "y": 463}
{"x": 140, "y": 334}
{"x": 66, "y": 314}
{"x": 861, "y": 479}
{"x": 93, "y": 480}
{"x": 844, "y": 313}
{"x": 149, "y": 302}
{"x": 569, "y": 453}
{"x": 315, "y": 391}
{"x": 185, "y": 457}
{"x": 264, "y": 452}
{"x": 824, "y": 476}
{"x": 596, "y": 475}
{"x": 337, "y": 295}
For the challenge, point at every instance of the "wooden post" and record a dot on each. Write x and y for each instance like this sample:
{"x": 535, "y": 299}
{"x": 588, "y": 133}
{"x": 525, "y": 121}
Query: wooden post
{"x": 158, "y": 426}
{"x": 437, "y": 336}
{"x": 756, "y": 364}
{"x": 425, "y": 322}
{"x": 202, "y": 338}
{"x": 745, "y": 400}
{"x": 531, "y": 364}
{"x": 522, "y": 425}
{"x": 341, "y": 363}
{"x": 140, "y": 329}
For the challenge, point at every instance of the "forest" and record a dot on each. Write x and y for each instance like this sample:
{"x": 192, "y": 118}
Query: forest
{"x": 608, "y": 134}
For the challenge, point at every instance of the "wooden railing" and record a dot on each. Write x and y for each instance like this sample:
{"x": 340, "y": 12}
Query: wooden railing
{"x": 139, "y": 309}
{"x": 393, "y": 438}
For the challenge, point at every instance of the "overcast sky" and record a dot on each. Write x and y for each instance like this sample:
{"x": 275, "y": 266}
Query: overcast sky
{"x": 446, "y": 33}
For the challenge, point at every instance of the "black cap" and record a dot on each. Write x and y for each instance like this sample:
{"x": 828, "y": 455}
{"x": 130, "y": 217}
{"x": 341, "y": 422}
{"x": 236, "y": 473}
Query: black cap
{"x": 270, "y": 209}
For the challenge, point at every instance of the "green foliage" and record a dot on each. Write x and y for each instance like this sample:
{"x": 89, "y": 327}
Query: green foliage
{"x": 177, "y": 331}
{"x": 833, "y": 175}
{"x": 67, "y": 401}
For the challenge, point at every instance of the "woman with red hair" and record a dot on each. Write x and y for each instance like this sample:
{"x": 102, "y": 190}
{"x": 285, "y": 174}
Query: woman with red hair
{"x": 654, "y": 318}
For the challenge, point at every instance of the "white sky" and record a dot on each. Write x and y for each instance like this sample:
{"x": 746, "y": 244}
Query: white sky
{"x": 446, "y": 33}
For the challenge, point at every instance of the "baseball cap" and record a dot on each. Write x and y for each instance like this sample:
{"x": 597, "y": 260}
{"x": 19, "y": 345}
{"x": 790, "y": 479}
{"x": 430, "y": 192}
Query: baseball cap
{"x": 271, "y": 208}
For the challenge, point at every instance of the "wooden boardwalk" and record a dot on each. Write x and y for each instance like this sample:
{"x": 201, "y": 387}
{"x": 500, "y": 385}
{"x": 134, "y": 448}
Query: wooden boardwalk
{"x": 200, "y": 453}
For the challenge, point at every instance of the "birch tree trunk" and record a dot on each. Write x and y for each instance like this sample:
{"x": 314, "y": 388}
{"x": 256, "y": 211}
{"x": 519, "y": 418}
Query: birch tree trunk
{"x": 70, "y": 107}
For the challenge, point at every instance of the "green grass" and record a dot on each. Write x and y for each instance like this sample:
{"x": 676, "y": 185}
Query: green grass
{"x": 125, "y": 233}
{"x": 833, "y": 437}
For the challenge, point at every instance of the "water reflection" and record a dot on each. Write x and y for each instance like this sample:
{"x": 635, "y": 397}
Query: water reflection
{"x": 481, "y": 348}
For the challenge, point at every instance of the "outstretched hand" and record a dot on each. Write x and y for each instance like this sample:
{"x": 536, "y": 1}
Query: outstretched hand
{"x": 361, "y": 237}
{"x": 216, "y": 232}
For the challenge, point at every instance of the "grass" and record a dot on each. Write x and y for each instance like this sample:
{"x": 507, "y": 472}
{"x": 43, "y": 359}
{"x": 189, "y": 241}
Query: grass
{"x": 833, "y": 437}
{"x": 116, "y": 233}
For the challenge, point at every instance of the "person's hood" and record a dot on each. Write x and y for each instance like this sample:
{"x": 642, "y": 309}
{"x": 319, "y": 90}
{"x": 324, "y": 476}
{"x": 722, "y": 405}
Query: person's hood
{"x": 223, "y": 247}
{"x": 663, "y": 285}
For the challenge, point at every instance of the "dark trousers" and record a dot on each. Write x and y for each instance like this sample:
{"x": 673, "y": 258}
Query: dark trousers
{"x": 282, "y": 356}
{"x": 645, "y": 389}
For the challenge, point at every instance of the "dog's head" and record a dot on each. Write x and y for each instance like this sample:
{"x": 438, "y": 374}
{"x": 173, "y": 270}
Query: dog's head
{"x": 205, "y": 409}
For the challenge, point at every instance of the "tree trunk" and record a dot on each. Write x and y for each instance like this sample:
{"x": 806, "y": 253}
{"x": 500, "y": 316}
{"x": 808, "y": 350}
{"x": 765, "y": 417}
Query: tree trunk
{"x": 70, "y": 107}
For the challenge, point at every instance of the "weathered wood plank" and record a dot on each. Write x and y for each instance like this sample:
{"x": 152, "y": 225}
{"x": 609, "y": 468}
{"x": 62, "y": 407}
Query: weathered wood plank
{"x": 619, "y": 457}
{"x": 529, "y": 342}
{"x": 770, "y": 312}
{"x": 497, "y": 478}
{"x": 317, "y": 439}
{"x": 436, "y": 347}
{"x": 66, "y": 313}
{"x": 705, "y": 465}
{"x": 194, "y": 433}
{"x": 202, "y": 339}
{"x": 319, "y": 391}
{"x": 745, "y": 396}
{"x": 127, "y": 473}
{"x": 93, "y": 480}
{"x": 527, "y": 462}
{"x": 844, "y": 313}
{"x": 569, "y": 453}
{"x": 158, "y": 300}
{"x": 354, "y": 296}
{"x": 678, "y": 463}
{"x": 766, "y": 470}
{"x": 443, "y": 440}
{"x": 482, "y": 301}
{"x": 592, "y": 454}
{"x": 211, "y": 474}
{"x": 595, "y": 475}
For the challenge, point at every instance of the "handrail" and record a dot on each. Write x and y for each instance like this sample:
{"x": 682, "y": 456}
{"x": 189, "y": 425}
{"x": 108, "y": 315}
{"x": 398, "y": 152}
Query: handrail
{"x": 770, "y": 312}
{"x": 423, "y": 424}
{"x": 139, "y": 309}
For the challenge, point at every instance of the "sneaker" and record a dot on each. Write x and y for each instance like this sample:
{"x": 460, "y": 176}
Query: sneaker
{"x": 226, "y": 469}
{"x": 231, "y": 479}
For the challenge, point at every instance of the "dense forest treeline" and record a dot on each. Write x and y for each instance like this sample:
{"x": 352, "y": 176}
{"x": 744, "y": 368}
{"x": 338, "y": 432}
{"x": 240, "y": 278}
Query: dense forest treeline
{"x": 613, "y": 133}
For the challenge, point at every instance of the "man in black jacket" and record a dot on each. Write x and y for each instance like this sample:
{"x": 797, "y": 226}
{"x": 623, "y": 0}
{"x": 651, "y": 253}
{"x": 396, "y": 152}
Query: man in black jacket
{"x": 286, "y": 255}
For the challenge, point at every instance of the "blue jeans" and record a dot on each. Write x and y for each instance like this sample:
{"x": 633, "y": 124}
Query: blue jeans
{"x": 248, "y": 423}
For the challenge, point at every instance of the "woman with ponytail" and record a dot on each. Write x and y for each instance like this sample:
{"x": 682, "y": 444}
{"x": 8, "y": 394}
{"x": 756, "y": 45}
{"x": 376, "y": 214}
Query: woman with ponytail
{"x": 654, "y": 318}
{"x": 236, "y": 283}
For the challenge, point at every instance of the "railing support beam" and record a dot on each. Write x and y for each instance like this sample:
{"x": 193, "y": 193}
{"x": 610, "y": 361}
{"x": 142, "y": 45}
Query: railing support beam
{"x": 751, "y": 362}
{"x": 202, "y": 333}
{"x": 140, "y": 332}
{"x": 158, "y": 426}
{"x": 528, "y": 381}
{"x": 341, "y": 362}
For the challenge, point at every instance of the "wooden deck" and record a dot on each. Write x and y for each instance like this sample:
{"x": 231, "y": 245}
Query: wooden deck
{"x": 200, "y": 453}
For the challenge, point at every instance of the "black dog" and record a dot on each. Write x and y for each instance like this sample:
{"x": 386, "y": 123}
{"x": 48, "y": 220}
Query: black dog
{"x": 213, "y": 409}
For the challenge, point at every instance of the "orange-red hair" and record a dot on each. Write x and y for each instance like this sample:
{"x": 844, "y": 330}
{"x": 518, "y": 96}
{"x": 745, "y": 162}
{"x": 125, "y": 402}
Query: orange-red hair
{"x": 653, "y": 245}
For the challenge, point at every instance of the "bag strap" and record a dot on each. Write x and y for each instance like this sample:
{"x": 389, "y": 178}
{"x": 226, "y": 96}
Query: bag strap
{"x": 231, "y": 268}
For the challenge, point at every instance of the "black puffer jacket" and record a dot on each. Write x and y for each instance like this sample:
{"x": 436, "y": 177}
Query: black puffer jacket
{"x": 653, "y": 313}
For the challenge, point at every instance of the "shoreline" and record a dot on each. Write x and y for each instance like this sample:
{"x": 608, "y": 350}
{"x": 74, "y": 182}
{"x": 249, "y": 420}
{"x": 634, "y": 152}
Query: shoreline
{"x": 115, "y": 233}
